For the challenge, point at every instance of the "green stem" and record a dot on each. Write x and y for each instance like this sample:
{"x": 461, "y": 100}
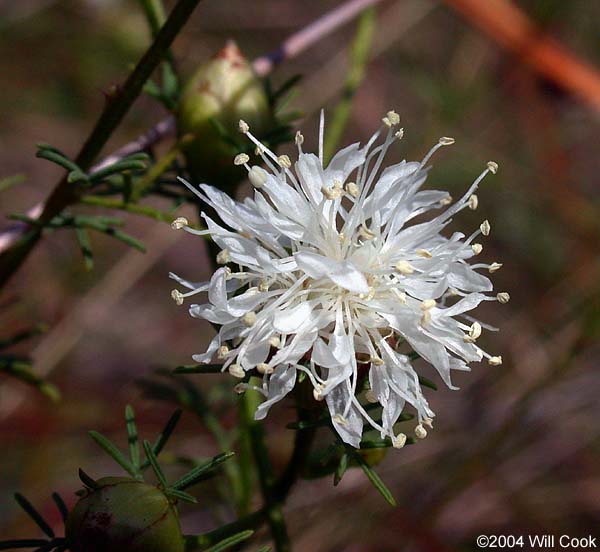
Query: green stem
{"x": 251, "y": 521}
{"x": 273, "y": 510}
{"x": 64, "y": 194}
{"x": 359, "y": 56}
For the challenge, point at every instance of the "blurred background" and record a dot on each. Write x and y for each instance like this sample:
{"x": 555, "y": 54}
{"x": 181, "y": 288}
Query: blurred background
{"x": 517, "y": 449}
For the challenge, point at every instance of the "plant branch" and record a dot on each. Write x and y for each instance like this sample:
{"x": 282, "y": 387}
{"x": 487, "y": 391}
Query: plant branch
{"x": 273, "y": 511}
{"x": 359, "y": 56}
{"x": 296, "y": 43}
{"x": 513, "y": 29}
{"x": 64, "y": 194}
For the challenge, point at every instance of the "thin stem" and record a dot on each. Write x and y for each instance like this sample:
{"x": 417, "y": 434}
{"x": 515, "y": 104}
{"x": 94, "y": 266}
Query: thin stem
{"x": 274, "y": 513}
{"x": 117, "y": 106}
{"x": 310, "y": 35}
{"x": 359, "y": 56}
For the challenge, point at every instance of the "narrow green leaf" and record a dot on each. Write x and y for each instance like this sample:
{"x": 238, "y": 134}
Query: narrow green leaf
{"x": 181, "y": 495}
{"x": 199, "y": 369}
{"x": 114, "y": 453}
{"x": 57, "y": 158}
{"x": 427, "y": 383}
{"x": 375, "y": 479}
{"x": 341, "y": 469}
{"x": 231, "y": 541}
{"x": 34, "y": 514}
{"x": 132, "y": 436}
{"x": 117, "y": 168}
{"x": 10, "y": 181}
{"x": 127, "y": 239}
{"x": 264, "y": 549}
{"x": 201, "y": 472}
{"x": 167, "y": 431}
{"x": 77, "y": 176}
{"x": 154, "y": 463}
{"x": 89, "y": 482}
{"x": 62, "y": 507}
{"x": 85, "y": 245}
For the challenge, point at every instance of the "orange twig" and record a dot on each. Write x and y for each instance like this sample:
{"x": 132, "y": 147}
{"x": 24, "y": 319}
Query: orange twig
{"x": 514, "y": 30}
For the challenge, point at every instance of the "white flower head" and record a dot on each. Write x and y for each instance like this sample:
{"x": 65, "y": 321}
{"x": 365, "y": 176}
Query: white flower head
{"x": 336, "y": 280}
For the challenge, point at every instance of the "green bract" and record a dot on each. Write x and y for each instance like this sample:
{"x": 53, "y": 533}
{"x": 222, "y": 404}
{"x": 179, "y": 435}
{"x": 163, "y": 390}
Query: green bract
{"x": 219, "y": 94}
{"x": 124, "y": 515}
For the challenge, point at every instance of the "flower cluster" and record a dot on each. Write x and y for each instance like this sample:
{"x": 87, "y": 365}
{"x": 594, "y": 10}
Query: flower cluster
{"x": 326, "y": 272}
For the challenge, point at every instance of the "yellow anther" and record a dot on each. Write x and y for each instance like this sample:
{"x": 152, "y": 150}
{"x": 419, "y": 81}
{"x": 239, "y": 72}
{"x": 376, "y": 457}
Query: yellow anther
{"x": 223, "y": 257}
{"x": 264, "y": 368}
{"x": 477, "y": 248}
{"x": 236, "y": 371}
{"x": 177, "y": 296}
{"x": 503, "y": 297}
{"x": 424, "y": 253}
{"x": 446, "y": 141}
{"x": 179, "y": 223}
{"x": 240, "y": 159}
{"x": 473, "y": 202}
{"x": 492, "y": 166}
{"x": 495, "y": 361}
{"x": 243, "y": 126}
{"x": 284, "y": 161}
{"x": 420, "y": 432}
{"x": 404, "y": 267}
{"x": 222, "y": 352}
{"x": 249, "y": 319}
{"x": 494, "y": 267}
{"x": 485, "y": 227}
{"x": 398, "y": 441}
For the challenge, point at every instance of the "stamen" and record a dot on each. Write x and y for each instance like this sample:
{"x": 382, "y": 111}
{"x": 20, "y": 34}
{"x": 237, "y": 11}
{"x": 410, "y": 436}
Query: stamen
{"x": 473, "y": 202}
{"x": 318, "y": 392}
{"x": 376, "y": 360}
{"x": 370, "y": 396}
{"x": 264, "y": 368}
{"x": 446, "y": 141}
{"x": 177, "y": 296}
{"x": 399, "y": 134}
{"x": 241, "y": 159}
{"x": 477, "y": 248}
{"x": 398, "y": 441}
{"x": 447, "y": 200}
{"x": 474, "y": 333}
{"x": 494, "y": 267}
{"x": 236, "y": 371}
{"x": 299, "y": 139}
{"x": 223, "y": 352}
{"x": 179, "y": 223}
{"x": 503, "y": 297}
{"x": 274, "y": 341}
{"x": 420, "y": 432}
{"x": 495, "y": 361}
{"x": 284, "y": 161}
{"x": 249, "y": 319}
{"x": 243, "y": 126}
{"x": 485, "y": 227}
{"x": 404, "y": 267}
{"x": 424, "y": 253}
{"x": 352, "y": 189}
{"x": 223, "y": 257}
{"x": 391, "y": 119}
{"x": 428, "y": 304}
{"x": 365, "y": 232}
{"x": 492, "y": 166}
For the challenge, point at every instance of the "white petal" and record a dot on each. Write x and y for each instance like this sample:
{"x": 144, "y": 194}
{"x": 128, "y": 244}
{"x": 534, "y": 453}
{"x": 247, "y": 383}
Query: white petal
{"x": 281, "y": 382}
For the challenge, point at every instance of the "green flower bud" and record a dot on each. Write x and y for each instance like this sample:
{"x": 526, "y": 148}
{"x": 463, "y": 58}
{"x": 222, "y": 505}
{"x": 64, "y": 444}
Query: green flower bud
{"x": 124, "y": 515}
{"x": 219, "y": 94}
